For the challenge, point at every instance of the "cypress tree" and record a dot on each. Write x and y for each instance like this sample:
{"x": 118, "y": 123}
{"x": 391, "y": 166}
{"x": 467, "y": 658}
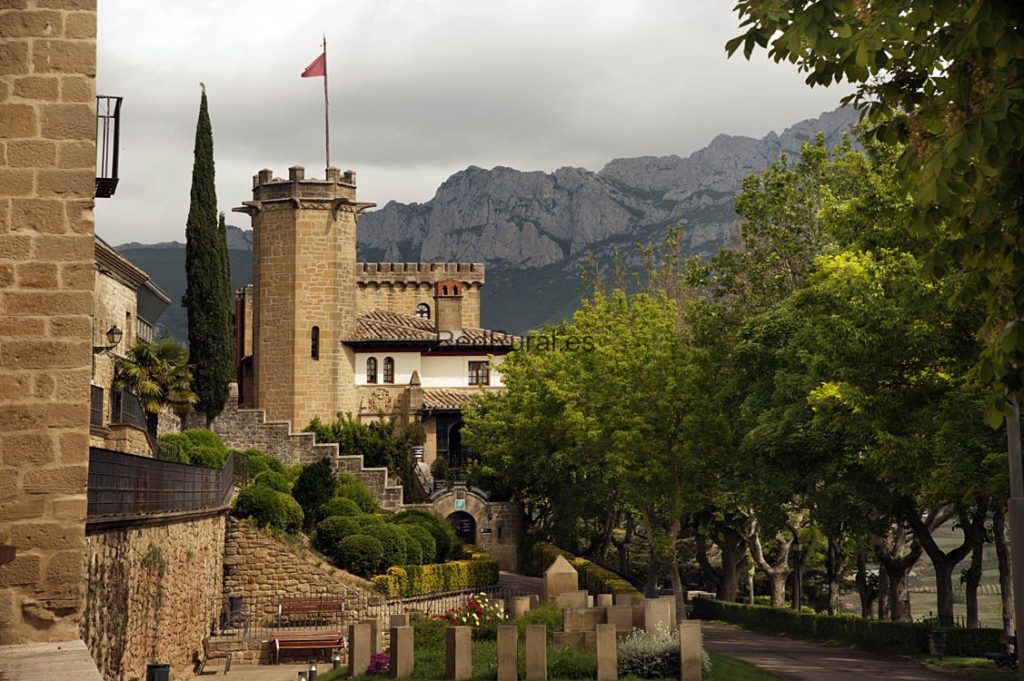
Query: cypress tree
{"x": 208, "y": 289}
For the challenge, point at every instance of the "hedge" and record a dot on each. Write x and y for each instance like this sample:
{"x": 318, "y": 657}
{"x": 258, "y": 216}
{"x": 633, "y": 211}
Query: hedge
{"x": 404, "y": 581}
{"x": 592, "y": 577}
{"x": 899, "y": 637}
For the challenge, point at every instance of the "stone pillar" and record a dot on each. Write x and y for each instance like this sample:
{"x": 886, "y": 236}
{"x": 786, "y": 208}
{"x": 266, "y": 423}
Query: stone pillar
{"x": 399, "y": 620}
{"x": 358, "y": 649}
{"x": 657, "y": 616}
{"x": 604, "y": 600}
{"x": 47, "y": 266}
{"x": 671, "y": 600}
{"x": 536, "y": 652}
{"x": 402, "y": 652}
{"x": 560, "y": 576}
{"x": 520, "y": 606}
{"x": 623, "y": 599}
{"x": 508, "y": 653}
{"x": 607, "y": 654}
{"x": 458, "y": 662}
{"x": 621, "y": 616}
{"x": 375, "y": 633}
{"x": 691, "y": 651}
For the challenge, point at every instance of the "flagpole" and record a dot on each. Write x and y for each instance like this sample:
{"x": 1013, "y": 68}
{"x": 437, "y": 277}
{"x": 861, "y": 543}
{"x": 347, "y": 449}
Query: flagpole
{"x": 327, "y": 119}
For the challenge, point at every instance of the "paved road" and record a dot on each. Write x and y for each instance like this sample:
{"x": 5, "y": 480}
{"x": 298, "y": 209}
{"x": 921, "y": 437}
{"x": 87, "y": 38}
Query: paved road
{"x": 522, "y": 583}
{"x": 804, "y": 661}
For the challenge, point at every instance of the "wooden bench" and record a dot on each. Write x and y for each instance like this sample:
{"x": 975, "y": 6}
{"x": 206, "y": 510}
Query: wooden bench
{"x": 306, "y": 639}
{"x": 216, "y": 655}
{"x": 310, "y": 609}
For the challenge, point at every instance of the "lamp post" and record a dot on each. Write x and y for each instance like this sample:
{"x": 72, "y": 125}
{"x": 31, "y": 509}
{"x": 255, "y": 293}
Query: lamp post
{"x": 114, "y": 335}
{"x": 797, "y": 581}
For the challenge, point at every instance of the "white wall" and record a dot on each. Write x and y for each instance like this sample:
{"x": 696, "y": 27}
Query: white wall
{"x": 405, "y": 364}
{"x": 452, "y": 371}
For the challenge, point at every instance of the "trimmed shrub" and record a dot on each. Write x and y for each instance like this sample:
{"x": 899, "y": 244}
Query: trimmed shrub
{"x": 394, "y": 547}
{"x": 314, "y": 488}
{"x": 360, "y": 554}
{"x": 340, "y": 506}
{"x": 413, "y": 549}
{"x": 439, "y": 469}
{"x": 351, "y": 487}
{"x": 195, "y": 446}
{"x": 275, "y": 481}
{"x": 419, "y": 580}
{"x": 259, "y": 462}
{"x": 899, "y": 637}
{"x": 593, "y": 577}
{"x": 649, "y": 656}
{"x": 428, "y": 633}
{"x": 548, "y": 614}
{"x": 571, "y": 663}
{"x": 200, "y": 437}
{"x": 292, "y": 512}
{"x": 444, "y": 536}
{"x": 263, "y": 505}
{"x": 206, "y": 456}
{"x": 172, "y": 447}
{"x": 331, "y": 530}
{"x": 422, "y": 536}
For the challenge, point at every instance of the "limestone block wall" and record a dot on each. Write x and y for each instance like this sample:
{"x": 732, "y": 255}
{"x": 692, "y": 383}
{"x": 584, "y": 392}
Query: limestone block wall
{"x": 263, "y": 570}
{"x": 401, "y": 286}
{"x": 47, "y": 183}
{"x": 500, "y": 525}
{"x": 153, "y": 594}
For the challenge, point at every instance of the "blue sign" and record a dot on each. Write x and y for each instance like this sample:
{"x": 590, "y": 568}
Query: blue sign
{"x": 460, "y": 504}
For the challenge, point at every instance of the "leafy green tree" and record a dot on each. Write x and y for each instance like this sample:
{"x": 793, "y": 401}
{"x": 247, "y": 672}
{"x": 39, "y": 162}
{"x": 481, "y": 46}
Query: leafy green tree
{"x": 208, "y": 291}
{"x": 947, "y": 81}
{"x": 313, "y": 489}
{"x": 157, "y": 373}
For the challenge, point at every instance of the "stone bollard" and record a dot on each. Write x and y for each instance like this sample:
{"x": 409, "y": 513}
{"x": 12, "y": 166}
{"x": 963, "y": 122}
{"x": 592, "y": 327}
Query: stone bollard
{"x": 607, "y": 654}
{"x": 604, "y": 600}
{"x": 536, "y": 652}
{"x": 402, "y": 652}
{"x": 657, "y": 616}
{"x": 672, "y": 618}
{"x": 375, "y": 634}
{"x": 572, "y": 599}
{"x": 358, "y": 649}
{"x": 621, "y": 616}
{"x": 399, "y": 620}
{"x": 691, "y": 651}
{"x": 623, "y": 599}
{"x": 520, "y": 606}
{"x": 508, "y": 653}
{"x": 458, "y": 662}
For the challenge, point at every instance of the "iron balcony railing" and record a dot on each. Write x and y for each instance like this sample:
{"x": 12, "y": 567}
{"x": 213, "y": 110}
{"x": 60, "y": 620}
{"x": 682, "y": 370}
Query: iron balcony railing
{"x": 108, "y": 144}
{"x": 125, "y": 484}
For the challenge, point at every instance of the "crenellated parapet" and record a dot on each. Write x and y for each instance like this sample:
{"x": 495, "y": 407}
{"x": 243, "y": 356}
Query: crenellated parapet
{"x": 404, "y": 286}
{"x": 419, "y": 272}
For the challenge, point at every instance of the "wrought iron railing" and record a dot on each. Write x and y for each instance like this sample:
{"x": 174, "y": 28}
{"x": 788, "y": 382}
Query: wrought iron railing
{"x": 108, "y": 144}
{"x": 96, "y": 406}
{"x": 124, "y": 484}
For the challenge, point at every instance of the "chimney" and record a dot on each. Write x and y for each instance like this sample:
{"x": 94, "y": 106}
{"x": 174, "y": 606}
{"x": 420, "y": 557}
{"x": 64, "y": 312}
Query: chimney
{"x": 448, "y": 307}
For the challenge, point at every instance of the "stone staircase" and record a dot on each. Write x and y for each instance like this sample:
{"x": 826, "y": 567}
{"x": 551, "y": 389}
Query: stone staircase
{"x": 249, "y": 428}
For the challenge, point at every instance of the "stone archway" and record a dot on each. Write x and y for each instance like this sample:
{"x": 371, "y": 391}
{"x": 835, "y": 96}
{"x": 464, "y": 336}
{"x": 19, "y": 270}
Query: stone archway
{"x": 464, "y": 525}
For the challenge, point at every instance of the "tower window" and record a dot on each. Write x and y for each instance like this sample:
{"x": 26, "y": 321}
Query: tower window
{"x": 371, "y": 370}
{"x": 389, "y": 370}
{"x": 423, "y": 311}
{"x": 479, "y": 373}
{"x": 314, "y": 343}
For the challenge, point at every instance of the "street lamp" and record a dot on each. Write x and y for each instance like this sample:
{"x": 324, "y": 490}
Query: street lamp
{"x": 114, "y": 335}
{"x": 797, "y": 581}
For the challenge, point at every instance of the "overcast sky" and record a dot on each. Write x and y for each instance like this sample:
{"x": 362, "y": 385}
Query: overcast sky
{"x": 419, "y": 90}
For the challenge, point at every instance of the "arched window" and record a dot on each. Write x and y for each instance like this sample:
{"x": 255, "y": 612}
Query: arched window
{"x": 314, "y": 343}
{"x": 444, "y": 290}
{"x": 423, "y": 311}
{"x": 371, "y": 370}
{"x": 455, "y": 290}
{"x": 389, "y": 370}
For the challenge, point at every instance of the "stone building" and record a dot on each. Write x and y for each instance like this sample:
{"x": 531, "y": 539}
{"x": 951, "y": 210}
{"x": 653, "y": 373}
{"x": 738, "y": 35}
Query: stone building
{"x": 320, "y": 334}
{"x": 127, "y": 306}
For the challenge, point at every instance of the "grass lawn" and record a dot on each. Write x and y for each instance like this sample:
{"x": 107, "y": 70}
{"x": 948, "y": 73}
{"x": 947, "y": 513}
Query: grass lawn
{"x": 562, "y": 665}
{"x": 975, "y": 668}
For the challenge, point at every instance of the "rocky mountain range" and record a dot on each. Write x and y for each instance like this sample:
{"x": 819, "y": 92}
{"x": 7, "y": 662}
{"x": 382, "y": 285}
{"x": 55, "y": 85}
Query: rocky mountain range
{"x": 533, "y": 229}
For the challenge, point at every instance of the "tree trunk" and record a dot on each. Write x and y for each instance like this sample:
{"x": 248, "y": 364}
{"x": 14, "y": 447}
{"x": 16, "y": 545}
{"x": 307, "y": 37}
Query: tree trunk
{"x": 834, "y": 559}
{"x": 945, "y": 561}
{"x": 972, "y": 579}
{"x": 777, "y": 570}
{"x": 899, "y": 596}
{"x": 677, "y": 581}
{"x": 884, "y": 604}
{"x": 1003, "y": 558}
{"x": 712, "y": 577}
{"x": 731, "y": 544}
{"x": 894, "y": 565}
{"x": 863, "y": 586}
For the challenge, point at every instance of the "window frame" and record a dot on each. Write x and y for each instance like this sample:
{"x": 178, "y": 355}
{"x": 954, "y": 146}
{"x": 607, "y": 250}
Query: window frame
{"x": 371, "y": 370}
{"x": 388, "y": 370}
{"x": 479, "y": 372}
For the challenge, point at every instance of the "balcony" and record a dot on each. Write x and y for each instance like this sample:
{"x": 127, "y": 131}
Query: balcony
{"x": 108, "y": 144}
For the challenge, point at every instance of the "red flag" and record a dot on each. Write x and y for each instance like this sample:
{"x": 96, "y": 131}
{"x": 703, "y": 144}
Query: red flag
{"x": 317, "y": 68}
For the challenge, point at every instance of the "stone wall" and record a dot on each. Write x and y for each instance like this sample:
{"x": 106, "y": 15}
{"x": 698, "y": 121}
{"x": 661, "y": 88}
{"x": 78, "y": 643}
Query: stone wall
{"x": 47, "y": 183}
{"x": 263, "y": 570}
{"x": 401, "y": 286}
{"x": 153, "y": 594}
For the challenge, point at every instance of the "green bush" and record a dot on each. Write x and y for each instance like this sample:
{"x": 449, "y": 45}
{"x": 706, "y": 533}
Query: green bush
{"x": 444, "y": 536}
{"x": 428, "y": 633}
{"x": 195, "y": 446}
{"x": 332, "y": 529}
{"x": 422, "y": 536}
{"x": 571, "y": 663}
{"x": 593, "y": 578}
{"x": 275, "y": 481}
{"x": 207, "y": 457}
{"x": 314, "y": 488}
{"x": 351, "y": 487}
{"x": 394, "y": 547}
{"x": 360, "y": 554}
{"x": 172, "y": 447}
{"x": 200, "y": 437}
{"x": 649, "y": 656}
{"x": 899, "y": 637}
{"x": 439, "y": 469}
{"x": 269, "y": 508}
{"x": 418, "y": 580}
{"x": 548, "y": 614}
{"x": 413, "y": 549}
{"x": 340, "y": 506}
{"x": 258, "y": 462}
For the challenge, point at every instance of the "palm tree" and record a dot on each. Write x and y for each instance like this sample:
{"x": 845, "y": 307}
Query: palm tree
{"x": 157, "y": 373}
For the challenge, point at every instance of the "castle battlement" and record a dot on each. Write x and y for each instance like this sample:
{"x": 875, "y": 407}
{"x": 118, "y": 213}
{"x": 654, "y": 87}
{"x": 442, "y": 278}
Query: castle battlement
{"x": 422, "y": 272}
{"x": 338, "y": 185}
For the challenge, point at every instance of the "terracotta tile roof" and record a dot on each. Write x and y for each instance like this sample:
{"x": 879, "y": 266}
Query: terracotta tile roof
{"x": 443, "y": 398}
{"x": 380, "y": 325}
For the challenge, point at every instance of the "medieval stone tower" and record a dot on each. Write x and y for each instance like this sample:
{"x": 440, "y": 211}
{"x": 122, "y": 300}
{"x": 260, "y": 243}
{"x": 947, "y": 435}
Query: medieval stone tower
{"x": 304, "y": 269}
